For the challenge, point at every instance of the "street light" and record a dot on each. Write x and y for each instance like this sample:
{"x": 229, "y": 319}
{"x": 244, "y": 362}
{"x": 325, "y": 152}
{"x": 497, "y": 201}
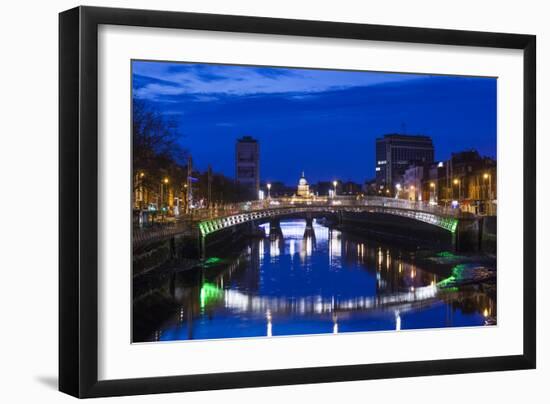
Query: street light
{"x": 268, "y": 190}
{"x": 456, "y": 181}
{"x": 432, "y": 187}
{"x": 140, "y": 190}
{"x": 487, "y": 177}
{"x": 335, "y": 183}
{"x": 164, "y": 181}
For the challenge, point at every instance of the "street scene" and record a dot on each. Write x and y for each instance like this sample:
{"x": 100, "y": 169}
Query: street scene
{"x": 274, "y": 201}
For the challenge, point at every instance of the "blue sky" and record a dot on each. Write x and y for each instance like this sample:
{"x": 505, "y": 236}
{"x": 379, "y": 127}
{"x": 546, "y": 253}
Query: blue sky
{"x": 324, "y": 122}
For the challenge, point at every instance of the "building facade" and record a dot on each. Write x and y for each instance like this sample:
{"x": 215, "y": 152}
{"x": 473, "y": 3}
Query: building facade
{"x": 413, "y": 179}
{"x": 303, "y": 187}
{"x": 395, "y": 153}
{"x": 247, "y": 165}
{"x": 467, "y": 179}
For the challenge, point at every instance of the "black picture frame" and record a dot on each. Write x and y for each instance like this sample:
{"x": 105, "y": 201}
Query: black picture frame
{"x": 78, "y": 200}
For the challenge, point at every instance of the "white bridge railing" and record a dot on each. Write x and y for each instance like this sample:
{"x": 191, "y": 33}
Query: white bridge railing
{"x": 219, "y": 217}
{"x": 230, "y": 215}
{"x": 347, "y": 201}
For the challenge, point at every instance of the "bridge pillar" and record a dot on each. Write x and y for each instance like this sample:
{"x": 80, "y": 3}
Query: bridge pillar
{"x": 275, "y": 231}
{"x": 309, "y": 221}
{"x": 309, "y": 232}
{"x": 467, "y": 236}
{"x": 202, "y": 246}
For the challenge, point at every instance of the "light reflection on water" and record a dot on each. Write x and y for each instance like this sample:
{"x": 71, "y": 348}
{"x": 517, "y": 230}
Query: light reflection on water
{"x": 325, "y": 282}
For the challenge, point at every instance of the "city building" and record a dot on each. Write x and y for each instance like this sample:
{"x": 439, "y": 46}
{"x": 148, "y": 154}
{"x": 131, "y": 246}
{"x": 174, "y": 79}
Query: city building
{"x": 247, "y": 165}
{"x": 351, "y": 188}
{"x": 370, "y": 188}
{"x": 322, "y": 188}
{"x": 413, "y": 178}
{"x": 466, "y": 179}
{"x": 395, "y": 153}
{"x": 303, "y": 187}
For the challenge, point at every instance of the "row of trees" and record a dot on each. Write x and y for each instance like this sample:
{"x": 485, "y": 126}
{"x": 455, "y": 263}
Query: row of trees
{"x": 156, "y": 151}
{"x": 158, "y": 156}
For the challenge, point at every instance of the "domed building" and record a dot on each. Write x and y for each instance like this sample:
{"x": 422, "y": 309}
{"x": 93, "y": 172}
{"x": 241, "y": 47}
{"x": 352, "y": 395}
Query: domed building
{"x": 303, "y": 187}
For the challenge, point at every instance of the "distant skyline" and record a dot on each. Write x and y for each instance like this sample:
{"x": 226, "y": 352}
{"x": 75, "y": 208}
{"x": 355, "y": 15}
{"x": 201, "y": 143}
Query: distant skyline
{"x": 322, "y": 122}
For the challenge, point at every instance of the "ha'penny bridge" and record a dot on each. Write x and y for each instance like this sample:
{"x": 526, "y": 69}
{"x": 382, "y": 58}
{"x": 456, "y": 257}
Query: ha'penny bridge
{"x": 393, "y": 216}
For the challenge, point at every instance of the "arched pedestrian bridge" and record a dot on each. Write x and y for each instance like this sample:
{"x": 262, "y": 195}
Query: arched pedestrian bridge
{"x": 447, "y": 219}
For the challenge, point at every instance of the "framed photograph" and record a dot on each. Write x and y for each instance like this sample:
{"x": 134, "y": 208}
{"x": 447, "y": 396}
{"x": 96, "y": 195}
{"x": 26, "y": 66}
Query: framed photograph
{"x": 251, "y": 201}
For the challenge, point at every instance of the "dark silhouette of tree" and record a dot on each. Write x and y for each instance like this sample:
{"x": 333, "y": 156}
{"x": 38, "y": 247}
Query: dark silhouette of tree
{"x": 157, "y": 154}
{"x": 155, "y": 147}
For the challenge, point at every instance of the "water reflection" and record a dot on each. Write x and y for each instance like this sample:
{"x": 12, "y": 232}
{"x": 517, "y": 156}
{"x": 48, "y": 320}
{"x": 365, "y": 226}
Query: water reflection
{"x": 300, "y": 280}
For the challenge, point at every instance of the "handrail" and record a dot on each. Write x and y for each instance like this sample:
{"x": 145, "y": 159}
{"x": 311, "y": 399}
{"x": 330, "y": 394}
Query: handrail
{"x": 188, "y": 223}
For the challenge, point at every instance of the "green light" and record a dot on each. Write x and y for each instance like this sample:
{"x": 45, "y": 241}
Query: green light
{"x": 454, "y": 225}
{"x": 457, "y": 274}
{"x": 445, "y": 283}
{"x": 446, "y": 254}
{"x": 212, "y": 261}
{"x": 209, "y": 293}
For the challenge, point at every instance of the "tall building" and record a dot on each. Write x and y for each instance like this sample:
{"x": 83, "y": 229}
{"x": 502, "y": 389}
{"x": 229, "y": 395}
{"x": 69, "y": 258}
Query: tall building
{"x": 247, "y": 165}
{"x": 395, "y": 153}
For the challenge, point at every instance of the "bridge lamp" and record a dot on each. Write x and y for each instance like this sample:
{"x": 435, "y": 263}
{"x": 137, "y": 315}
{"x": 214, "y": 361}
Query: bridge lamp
{"x": 335, "y": 183}
{"x": 165, "y": 180}
{"x": 485, "y": 176}
{"x": 455, "y": 181}
{"x": 268, "y": 190}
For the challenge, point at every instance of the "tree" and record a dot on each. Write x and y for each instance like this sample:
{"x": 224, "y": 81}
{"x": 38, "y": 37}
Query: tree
{"x": 156, "y": 152}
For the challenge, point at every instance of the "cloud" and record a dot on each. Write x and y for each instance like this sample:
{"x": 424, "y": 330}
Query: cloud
{"x": 210, "y": 82}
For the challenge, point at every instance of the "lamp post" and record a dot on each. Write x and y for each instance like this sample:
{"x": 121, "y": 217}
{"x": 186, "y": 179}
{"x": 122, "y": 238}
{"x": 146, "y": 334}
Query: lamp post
{"x": 456, "y": 181}
{"x": 268, "y": 190}
{"x": 433, "y": 192}
{"x": 186, "y": 198}
{"x": 488, "y": 196}
{"x": 397, "y": 189}
{"x": 335, "y": 183}
{"x": 487, "y": 178}
{"x": 141, "y": 176}
{"x": 164, "y": 182}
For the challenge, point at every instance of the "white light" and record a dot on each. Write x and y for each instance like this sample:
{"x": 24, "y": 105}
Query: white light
{"x": 440, "y": 164}
{"x": 377, "y": 168}
{"x": 397, "y": 321}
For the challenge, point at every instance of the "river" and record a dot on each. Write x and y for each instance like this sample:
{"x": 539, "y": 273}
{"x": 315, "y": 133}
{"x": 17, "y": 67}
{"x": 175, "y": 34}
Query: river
{"x": 325, "y": 282}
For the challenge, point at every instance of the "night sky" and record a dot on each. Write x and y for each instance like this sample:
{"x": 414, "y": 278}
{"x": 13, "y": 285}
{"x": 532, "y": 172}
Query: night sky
{"x": 323, "y": 122}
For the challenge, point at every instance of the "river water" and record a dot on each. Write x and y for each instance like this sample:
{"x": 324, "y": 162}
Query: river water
{"x": 303, "y": 283}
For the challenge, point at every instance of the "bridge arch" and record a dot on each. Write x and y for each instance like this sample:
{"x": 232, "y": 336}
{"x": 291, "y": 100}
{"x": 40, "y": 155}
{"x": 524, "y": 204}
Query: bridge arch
{"x": 208, "y": 227}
